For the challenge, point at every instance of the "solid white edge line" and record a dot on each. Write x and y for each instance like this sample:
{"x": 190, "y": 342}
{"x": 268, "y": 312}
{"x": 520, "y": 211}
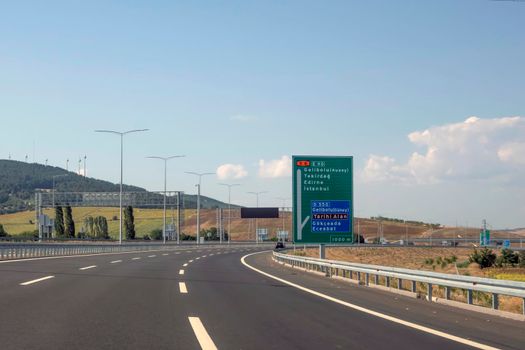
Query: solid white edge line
{"x": 202, "y": 335}
{"x": 88, "y": 267}
{"x": 181, "y": 272}
{"x": 368, "y": 311}
{"x": 182, "y": 288}
{"x": 37, "y": 280}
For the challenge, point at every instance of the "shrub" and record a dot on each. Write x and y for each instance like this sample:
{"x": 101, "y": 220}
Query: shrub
{"x": 484, "y": 258}
{"x": 522, "y": 258}
{"x": 463, "y": 264}
{"x": 508, "y": 257}
{"x": 429, "y": 261}
{"x": 156, "y": 234}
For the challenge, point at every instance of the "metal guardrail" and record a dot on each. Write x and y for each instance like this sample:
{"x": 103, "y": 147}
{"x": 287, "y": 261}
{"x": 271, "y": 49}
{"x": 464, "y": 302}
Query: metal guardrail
{"x": 12, "y": 251}
{"x": 24, "y": 251}
{"x": 470, "y": 284}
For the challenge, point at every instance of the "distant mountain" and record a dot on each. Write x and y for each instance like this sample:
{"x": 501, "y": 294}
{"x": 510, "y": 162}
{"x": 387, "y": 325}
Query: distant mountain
{"x": 19, "y": 180}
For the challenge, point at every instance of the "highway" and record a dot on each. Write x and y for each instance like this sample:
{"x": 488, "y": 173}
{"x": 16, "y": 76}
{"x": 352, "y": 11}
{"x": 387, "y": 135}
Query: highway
{"x": 225, "y": 298}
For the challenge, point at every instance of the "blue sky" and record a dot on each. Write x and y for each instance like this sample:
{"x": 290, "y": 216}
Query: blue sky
{"x": 237, "y": 82}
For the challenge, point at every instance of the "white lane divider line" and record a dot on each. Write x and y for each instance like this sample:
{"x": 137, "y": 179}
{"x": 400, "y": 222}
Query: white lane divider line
{"x": 202, "y": 335}
{"x": 137, "y": 258}
{"x": 186, "y": 264}
{"x": 177, "y": 253}
{"x": 212, "y": 254}
{"x": 371, "y": 312}
{"x": 87, "y": 267}
{"x": 151, "y": 256}
{"x": 190, "y": 261}
{"x": 197, "y": 258}
{"x": 204, "y": 256}
{"x": 182, "y": 287}
{"x": 181, "y": 272}
{"x": 165, "y": 254}
{"x": 116, "y": 261}
{"x": 36, "y": 281}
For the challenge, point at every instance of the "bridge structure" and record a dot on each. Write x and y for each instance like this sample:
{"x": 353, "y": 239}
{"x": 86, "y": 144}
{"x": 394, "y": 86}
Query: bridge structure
{"x": 143, "y": 199}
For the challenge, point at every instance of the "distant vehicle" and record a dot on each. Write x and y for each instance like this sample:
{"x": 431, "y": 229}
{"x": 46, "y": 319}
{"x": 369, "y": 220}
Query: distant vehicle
{"x": 279, "y": 245}
{"x": 445, "y": 243}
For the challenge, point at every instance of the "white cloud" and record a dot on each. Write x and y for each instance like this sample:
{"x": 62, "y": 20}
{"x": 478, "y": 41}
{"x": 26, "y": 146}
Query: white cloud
{"x": 243, "y": 118}
{"x": 384, "y": 168}
{"x": 475, "y": 148}
{"x": 231, "y": 171}
{"x": 512, "y": 152}
{"x": 276, "y": 168}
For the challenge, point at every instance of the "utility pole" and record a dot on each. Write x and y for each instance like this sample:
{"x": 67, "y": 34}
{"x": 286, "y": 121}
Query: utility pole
{"x": 121, "y": 134}
{"x": 165, "y": 159}
{"x": 85, "y": 170}
{"x": 256, "y": 227}
{"x": 199, "y": 175}
{"x": 229, "y": 208}
{"x": 282, "y": 211}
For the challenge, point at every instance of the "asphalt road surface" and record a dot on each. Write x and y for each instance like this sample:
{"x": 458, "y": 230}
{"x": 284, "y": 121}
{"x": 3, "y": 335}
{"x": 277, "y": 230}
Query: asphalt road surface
{"x": 193, "y": 298}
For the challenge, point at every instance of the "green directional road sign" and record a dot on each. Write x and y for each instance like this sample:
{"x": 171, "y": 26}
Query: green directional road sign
{"x": 323, "y": 199}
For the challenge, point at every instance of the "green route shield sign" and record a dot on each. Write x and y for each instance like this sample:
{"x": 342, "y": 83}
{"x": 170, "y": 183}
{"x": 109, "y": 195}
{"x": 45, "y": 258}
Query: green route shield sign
{"x": 323, "y": 199}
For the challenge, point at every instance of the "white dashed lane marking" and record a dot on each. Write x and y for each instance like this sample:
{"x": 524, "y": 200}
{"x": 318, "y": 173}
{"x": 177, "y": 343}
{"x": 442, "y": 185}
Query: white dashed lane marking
{"x": 116, "y": 261}
{"x": 88, "y": 267}
{"x": 181, "y": 272}
{"x": 202, "y": 335}
{"x": 182, "y": 287}
{"x": 36, "y": 281}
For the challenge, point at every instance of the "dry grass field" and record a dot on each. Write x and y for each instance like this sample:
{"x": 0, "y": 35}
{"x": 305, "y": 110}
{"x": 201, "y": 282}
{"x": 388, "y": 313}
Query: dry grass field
{"x": 430, "y": 259}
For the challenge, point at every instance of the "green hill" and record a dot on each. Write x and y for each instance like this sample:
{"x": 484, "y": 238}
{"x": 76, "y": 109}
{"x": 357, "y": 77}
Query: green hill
{"x": 19, "y": 180}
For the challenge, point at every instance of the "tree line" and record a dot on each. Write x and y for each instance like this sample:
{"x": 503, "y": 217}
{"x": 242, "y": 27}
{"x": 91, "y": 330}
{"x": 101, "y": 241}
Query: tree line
{"x": 93, "y": 227}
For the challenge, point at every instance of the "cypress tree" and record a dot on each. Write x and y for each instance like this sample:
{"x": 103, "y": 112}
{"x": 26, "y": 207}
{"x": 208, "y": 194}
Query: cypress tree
{"x": 2, "y": 231}
{"x": 59, "y": 222}
{"x": 69, "y": 224}
{"x": 104, "y": 227}
{"x": 129, "y": 222}
{"x": 89, "y": 226}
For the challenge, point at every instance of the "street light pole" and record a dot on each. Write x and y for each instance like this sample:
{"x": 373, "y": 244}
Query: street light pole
{"x": 200, "y": 175}
{"x": 229, "y": 208}
{"x": 121, "y": 134}
{"x": 165, "y": 159}
{"x": 284, "y": 205}
{"x": 256, "y": 228}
